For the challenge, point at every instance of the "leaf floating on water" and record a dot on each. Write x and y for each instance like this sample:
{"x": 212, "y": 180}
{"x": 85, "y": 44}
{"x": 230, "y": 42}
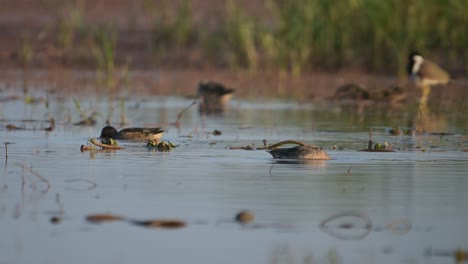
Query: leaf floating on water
{"x": 99, "y": 218}
{"x": 167, "y": 224}
{"x": 244, "y": 217}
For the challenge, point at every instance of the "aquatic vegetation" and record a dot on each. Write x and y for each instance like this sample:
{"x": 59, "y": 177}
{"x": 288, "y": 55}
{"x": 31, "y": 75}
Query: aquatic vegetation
{"x": 26, "y": 57}
{"x": 378, "y": 147}
{"x": 104, "y": 50}
{"x": 70, "y": 20}
{"x": 160, "y": 145}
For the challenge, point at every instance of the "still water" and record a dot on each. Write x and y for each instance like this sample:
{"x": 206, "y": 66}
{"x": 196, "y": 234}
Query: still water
{"x": 408, "y": 206}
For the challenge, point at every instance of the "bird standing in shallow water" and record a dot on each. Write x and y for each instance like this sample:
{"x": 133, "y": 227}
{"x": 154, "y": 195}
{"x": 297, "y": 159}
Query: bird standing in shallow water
{"x": 425, "y": 74}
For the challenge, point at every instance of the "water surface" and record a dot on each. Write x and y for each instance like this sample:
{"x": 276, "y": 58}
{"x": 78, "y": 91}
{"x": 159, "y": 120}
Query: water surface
{"x": 415, "y": 197}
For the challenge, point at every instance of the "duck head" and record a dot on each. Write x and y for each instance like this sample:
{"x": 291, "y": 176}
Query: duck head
{"x": 108, "y": 132}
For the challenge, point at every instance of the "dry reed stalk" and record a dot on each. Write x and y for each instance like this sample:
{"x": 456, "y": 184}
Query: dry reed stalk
{"x": 33, "y": 173}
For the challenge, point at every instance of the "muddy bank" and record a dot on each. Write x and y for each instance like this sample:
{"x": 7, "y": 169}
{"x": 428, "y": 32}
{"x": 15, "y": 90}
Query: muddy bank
{"x": 309, "y": 87}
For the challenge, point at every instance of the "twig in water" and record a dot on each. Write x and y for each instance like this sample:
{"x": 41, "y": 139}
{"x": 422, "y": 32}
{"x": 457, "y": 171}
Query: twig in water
{"x": 179, "y": 115}
{"x": 6, "y": 149}
{"x": 34, "y": 173}
{"x": 104, "y": 146}
{"x": 92, "y": 183}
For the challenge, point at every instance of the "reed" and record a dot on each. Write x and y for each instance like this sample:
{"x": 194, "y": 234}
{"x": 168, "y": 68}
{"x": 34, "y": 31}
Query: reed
{"x": 171, "y": 34}
{"x": 288, "y": 36}
{"x": 368, "y": 34}
{"x": 26, "y": 57}
{"x": 239, "y": 35}
{"x": 104, "y": 50}
{"x": 68, "y": 23}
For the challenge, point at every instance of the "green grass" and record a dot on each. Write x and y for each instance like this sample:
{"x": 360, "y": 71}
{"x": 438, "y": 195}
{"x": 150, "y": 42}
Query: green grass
{"x": 104, "y": 50}
{"x": 296, "y": 35}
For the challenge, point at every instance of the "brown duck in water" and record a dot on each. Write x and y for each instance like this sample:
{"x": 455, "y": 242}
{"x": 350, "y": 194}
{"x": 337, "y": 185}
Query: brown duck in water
{"x": 132, "y": 133}
{"x": 214, "y": 97}
{"x": 302, "y": 151}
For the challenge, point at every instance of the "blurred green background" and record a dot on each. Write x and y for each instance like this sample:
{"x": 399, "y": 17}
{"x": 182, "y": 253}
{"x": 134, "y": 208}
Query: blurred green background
{"x": 293, "y": 36}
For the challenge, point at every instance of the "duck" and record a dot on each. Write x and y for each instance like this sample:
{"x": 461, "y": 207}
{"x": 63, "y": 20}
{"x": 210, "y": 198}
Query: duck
{"x": 302, "y": 151}
{"x": 132, "y": 133}
{"x": 214, "y": 97}
{"x": 425, "y": 72}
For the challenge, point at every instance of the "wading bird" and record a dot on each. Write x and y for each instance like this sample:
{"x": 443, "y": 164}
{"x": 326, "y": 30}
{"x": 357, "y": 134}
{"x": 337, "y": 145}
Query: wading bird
{"x": 425, "y": 74}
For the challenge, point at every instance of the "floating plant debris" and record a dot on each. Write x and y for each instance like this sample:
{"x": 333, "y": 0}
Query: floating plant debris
{"x": 168, "y": 224}
{"x": 399, "y": 226}
{"x": 104, "y": 146}
{"x": 56, "y": 220}
{"x": 244, "y": 217}
{"x": 248, "y": 147}
{"x": 378, "y": 147}
{"x": 13, "y": 127}
{"x": 155, "y": 223}
{"x": 86, "y": 148}
{"x": 160, "y": 145}
{"x": 460, "y": 255}
{"x": 100, "y": 218}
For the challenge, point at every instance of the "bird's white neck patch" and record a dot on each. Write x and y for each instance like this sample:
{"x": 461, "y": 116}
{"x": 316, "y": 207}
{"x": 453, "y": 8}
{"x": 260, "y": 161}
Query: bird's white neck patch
{"x": 418, "y": 60}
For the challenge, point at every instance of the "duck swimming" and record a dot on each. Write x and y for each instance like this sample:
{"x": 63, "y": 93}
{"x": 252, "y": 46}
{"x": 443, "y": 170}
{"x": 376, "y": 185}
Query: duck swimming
{"x": 302, "y": 151}
{"x": 132, "y": 133}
